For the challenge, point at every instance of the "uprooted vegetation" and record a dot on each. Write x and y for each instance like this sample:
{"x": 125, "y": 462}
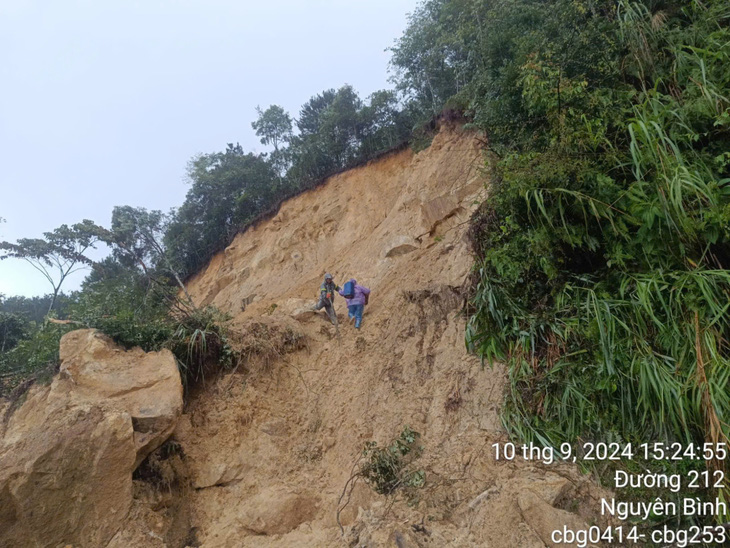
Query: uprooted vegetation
{"x": 388, "y": 470}
{"x": 262, "y": 341}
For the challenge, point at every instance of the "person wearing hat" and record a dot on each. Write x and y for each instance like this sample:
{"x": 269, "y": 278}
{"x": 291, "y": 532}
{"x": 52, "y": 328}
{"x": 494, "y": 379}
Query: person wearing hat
{"x": 327, "y": 297}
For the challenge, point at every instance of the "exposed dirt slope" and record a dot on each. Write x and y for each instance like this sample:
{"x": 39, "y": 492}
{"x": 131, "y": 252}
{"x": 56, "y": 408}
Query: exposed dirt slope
{"x": 270, "y": 450}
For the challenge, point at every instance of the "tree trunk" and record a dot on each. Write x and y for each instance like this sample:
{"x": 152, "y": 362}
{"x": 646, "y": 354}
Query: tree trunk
{"x": 53, "y": 300}
{"x": 182, "y": 286}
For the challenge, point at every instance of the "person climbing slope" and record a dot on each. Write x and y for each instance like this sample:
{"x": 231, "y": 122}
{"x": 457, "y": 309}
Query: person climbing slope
{"x": 327, "y": 297}
{"x": 356, "y": 297}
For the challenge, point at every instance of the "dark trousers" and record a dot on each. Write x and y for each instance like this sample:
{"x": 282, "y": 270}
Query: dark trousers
{"x": 325, "y": 303}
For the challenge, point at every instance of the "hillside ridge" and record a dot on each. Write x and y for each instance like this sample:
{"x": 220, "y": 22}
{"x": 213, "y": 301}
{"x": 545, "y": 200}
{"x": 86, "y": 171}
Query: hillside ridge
{"x": 270, "y": 450}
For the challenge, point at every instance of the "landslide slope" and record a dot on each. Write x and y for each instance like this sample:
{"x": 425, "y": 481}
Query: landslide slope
{"x": 270, "y": 447}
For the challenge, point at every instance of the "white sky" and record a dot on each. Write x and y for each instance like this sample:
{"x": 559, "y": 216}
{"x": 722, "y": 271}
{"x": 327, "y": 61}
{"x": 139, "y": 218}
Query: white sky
{"x": 103, "y": 102}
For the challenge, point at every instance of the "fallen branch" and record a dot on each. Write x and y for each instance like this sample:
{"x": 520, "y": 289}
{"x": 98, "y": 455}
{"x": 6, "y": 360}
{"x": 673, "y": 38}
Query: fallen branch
{"x": 351, "y": 481}
{"x": 67, "y": 322}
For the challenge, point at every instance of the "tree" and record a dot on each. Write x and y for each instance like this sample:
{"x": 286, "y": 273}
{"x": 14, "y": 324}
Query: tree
{"x": 228, "y": 190}
{"x": 340, "y": 125}
{"x": 132, "y": 308}
{"x": 58, "y": 254}
{"x": 382, "y": 125}
{"x": 274, "y": 126}
{"x": 232, "y": 188}
{"x": 329, "y": 136}
{"x": 136, "y": 236}
{"x": 310, "y": 115}
{"x": 426, "y": 59}
{"x": 34, "y": 309}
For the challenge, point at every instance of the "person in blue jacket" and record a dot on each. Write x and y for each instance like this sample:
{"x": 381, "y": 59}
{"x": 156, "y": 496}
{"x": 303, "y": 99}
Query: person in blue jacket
{"x": 356, "y": 305}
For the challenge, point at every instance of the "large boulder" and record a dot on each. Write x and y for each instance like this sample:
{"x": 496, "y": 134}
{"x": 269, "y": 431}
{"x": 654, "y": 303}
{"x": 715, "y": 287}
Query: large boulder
{"x": 145, "y": 385}
{"x": 67, "y": 479}
{"x": 68, "y": 453}
{"x": 299, "y": 309}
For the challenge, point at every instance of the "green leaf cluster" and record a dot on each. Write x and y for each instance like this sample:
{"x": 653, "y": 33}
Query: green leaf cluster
{"x": 36, "y": 357}
{"x": 137, "y": 311}
{"x": 602, "y": 279}
{"x": 389, "y": 469}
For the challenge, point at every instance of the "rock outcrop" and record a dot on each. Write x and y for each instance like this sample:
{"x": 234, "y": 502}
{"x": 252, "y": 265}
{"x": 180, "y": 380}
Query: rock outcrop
{"x": 68, "y": 453}
{"x": 145, "y": 385}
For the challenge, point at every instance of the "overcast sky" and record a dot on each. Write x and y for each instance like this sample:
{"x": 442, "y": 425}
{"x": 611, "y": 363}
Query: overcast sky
{"x": 103, "y": 102}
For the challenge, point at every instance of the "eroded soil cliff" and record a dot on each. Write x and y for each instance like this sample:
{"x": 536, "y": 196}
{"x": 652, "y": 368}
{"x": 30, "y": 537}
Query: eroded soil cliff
{"x": 269, "y": 448}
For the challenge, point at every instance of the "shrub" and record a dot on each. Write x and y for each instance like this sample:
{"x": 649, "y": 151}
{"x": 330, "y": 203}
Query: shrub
{"x": 389, "y": 469}
{"x": 603, "y": 275}
{"x": 33, "y": 358}
{"x": 200, "y": 343}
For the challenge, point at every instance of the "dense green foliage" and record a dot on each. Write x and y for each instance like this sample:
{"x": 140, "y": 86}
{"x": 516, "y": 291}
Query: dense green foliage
{"x": 229, "y": 190}
{"x": 132, "y": 295}
{"x": 34, "y": 357}
{"x": 604, "y": 248}
{"x": 13, "y": 329}
{"x": 124, "y": 304}
{"x": 35, "y": 309}
{"x": 135, "y": 310}
{"x": 131, "y": 308}
{"x": 28, "y": 347}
